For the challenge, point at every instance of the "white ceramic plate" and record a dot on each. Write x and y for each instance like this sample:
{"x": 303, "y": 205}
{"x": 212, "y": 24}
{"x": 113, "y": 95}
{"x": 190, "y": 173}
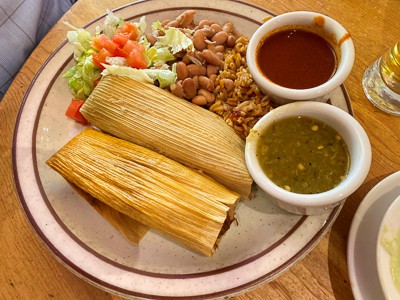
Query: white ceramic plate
{"x": 388, "y": 232}
{"x": 363, "y": 236}
{"x": 266, "y": 242}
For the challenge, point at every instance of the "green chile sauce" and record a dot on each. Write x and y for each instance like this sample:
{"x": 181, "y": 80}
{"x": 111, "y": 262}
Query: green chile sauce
{"x": 303, "y": 155}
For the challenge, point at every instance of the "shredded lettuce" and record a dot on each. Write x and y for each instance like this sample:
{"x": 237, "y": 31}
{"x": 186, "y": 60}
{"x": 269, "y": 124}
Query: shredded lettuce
{"x": 173, "y": 38}
{"x": 81, "y": 39}
{"x": 82, "y": 77}
{"x": 141, "y": 26}
{"x": 119, "y": 61}
{"x": 164, "y": 77}
{"x": 137, "y": 74}
{"x": 111, "y": 24}
{"x": 159, "y": 55}
{"x": 85, "y": 72}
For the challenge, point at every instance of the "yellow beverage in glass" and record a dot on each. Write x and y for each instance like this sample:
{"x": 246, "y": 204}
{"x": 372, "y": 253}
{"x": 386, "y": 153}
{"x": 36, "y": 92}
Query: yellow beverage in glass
{"x": 390, "y": 68}
{"x": 381, "y": 81}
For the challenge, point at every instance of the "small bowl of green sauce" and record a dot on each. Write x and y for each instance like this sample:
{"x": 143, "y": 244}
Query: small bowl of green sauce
{"x": 308, "y": 156}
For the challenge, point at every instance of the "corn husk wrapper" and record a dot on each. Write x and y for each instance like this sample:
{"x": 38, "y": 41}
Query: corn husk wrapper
{"x": 154, "y": 118}
{"x": 131, "y": 229}
{"x": 148, "y": 187}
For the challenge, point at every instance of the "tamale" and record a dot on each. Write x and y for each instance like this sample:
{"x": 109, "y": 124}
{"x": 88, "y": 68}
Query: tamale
{"x": 154, "y": 118}
{"x": 148, "y": 187}
{"x": 131, "y": 229}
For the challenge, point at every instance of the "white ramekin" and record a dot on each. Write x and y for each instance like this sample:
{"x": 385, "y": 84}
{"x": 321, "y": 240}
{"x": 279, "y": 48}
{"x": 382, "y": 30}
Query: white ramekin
{"x": 332, "y": 29}
{"x": 351, "y": 131}
{"x": 388, "y": 235}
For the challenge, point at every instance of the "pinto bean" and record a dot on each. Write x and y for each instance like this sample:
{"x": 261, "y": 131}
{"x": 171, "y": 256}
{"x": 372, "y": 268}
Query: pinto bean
{"x": 211, "y": 57}
{"x": 220, "y": 55}
{"x": 194, "y": 57}
{"x": 231, "y": 40}
{"x": 198, "y": 55}
{"x": 216, "y": 27}
{"x": 151, "y": 39}
{"x": 177, "y": 89}
{"x": 210, "y": 97}
{"x": 211, "y": 69}
{"x": 180, "y": 54}
{"x": 206, "y": 83}
{"x": 181, "y": 70}
{"x": 165, "y": 22}
{"x": 189, "y": 88}
{"x": 219, "y": 48}
{"x": 196, "y": 70}
{"x": 204, "y": 23}
{"x": 186, "y": 59}
{"x": 220, "y": 37}
{"x": 185, "y": 18}
{"x": 196, "y": 82}
{"x": 199, "y": 100}
{"x": 228, "y": 84}
{"x": 199, "y": 40}
{"x": 228, "y": 27}
{"x": 213, "y": 77}
{"x": 211, "y": 46}
{"x": 173, "y": 23}
{"x": 208, "y": 31}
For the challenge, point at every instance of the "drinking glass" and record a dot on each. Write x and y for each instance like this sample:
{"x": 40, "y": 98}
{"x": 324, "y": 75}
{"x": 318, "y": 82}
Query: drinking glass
{"x": 381, "y": 81}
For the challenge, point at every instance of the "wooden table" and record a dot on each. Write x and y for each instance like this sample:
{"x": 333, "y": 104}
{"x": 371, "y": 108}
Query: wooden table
{"x": 29, "y": 271}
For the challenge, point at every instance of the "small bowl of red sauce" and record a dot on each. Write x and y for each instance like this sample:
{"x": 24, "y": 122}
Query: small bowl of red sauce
{"x": 300, "y": 56}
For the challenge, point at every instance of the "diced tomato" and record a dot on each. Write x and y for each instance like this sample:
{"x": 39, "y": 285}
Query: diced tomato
{"x": 129, "y": 45}
{"x": 111, "y": 46}
{"x": 122, "y": 44}
{"x": 129, "y": 29}
{"x": 135, "y": 55}
{"x": 100, "y": 57}
{"x": 141, "y": 48}
{"x": 121, "y": 53}
{"x": 102, "y": 41}
{"x": 136, "y": 59}
{"x": 120, "y": 39}
{"x": 99, "y": 42}
{"x": 74, "y": 113}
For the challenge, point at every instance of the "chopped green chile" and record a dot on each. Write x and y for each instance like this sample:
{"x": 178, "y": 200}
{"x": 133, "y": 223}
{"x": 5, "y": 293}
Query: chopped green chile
{"x": 303, "y": 155}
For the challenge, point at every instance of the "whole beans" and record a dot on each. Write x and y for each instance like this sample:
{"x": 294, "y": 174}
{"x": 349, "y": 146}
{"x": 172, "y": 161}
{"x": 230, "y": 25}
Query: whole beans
{"x": 177, "y": 89}
{"x": 211, "y": 70}
{"x": 206, "y": 83}
{"x": 211, "y": 57}
{"x": 210, "y": 97}
{"x": 181, "y": 70}
{"x": 197, "y": 70}
{"x": 189, "y": 88}
{"x": 220, "y": 37}
{"x": 199, "y": 100}
{"x": 199, "y": 40}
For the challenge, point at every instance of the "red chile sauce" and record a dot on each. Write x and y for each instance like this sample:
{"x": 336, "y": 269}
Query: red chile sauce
{"x": 296, "y": 58}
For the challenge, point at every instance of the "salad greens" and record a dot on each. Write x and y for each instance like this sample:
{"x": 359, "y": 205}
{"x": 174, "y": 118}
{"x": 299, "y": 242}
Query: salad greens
{"x": 84, "y": 73}
{"x": 93, "y": 61}
{"x": 164, "y": 77}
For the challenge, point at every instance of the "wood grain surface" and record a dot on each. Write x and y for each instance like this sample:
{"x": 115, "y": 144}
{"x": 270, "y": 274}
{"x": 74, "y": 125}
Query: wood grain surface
{"x": 29, "y": 271}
